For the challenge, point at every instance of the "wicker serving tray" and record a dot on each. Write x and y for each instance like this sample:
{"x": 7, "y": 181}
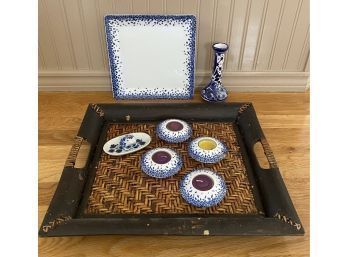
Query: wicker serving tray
{"x": 112, "y": 196}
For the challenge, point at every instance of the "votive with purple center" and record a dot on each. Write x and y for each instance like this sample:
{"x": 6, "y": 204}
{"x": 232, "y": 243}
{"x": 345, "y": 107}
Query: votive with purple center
{"x": 161, "y": 157}
{"x": 202, "y": 182}
{"x": 174, "y": 126}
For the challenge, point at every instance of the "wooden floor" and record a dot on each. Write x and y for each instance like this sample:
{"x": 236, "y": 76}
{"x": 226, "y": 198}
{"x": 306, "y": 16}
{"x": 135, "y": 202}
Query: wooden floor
{"x": 284, "y": 118}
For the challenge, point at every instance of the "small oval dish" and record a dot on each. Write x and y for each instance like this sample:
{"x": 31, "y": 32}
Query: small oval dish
{"x": 174, "y": 131}
{"x": 203, "y": 188}
{"x": 161, "y": 162}
{"x": 128, "y": 143}
{"x": 207, "y": 149}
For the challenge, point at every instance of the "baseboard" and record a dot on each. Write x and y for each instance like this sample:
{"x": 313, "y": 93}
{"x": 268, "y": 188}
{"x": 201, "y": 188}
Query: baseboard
{"x": 233, "y": 81}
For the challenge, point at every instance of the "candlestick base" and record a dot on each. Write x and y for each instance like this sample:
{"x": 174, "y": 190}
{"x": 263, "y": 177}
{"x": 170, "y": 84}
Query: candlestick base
{"x": 214, "y": 92}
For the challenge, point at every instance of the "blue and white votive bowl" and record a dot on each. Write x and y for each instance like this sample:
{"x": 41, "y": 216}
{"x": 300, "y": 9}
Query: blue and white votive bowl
{"x": 203, "y": 188}
{"x": 207, "y": 150}
{"x": 161, "y": 162}
{"x": 174, "y": 131}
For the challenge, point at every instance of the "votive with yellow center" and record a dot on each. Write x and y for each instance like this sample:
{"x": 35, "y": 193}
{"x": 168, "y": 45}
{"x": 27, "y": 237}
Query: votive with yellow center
{"x": 207, "y": 144}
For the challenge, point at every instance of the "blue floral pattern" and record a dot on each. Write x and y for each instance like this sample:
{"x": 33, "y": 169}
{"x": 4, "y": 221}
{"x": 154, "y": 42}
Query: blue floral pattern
{"x": 127, "y": 143}
{"x": 215, "y": 91}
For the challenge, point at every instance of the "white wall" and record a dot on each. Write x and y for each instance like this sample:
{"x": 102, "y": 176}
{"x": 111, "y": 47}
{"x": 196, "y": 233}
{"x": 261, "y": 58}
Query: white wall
{"x": 269, "y": 41}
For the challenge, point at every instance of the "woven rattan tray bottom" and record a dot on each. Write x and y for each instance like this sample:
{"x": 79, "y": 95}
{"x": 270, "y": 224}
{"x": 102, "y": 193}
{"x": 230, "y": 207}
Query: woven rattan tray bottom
{"x": 120, "y": 187}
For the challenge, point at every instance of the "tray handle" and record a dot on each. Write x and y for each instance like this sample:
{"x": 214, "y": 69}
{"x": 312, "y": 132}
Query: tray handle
{"x": 66, "y": 199}
{"x": 71, "y": 160}
{"x": 68, "y": 191}
{"x": 268, "y": 153}
{"x": 276, "y": 200}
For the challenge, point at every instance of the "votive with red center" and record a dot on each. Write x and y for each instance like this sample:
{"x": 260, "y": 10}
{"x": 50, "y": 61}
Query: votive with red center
{"x": 161, "y": 157}
{"x": 202, "y": 182}
{"x": 174, "y": 126}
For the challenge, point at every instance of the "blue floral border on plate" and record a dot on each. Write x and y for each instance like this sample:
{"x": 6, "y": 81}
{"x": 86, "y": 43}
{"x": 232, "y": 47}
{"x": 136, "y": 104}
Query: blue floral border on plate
{"x": 114, "y": 61}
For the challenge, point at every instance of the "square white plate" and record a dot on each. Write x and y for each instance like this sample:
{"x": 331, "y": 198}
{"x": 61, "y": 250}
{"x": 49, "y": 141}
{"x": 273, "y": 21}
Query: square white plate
{"x": 151, "y": 56}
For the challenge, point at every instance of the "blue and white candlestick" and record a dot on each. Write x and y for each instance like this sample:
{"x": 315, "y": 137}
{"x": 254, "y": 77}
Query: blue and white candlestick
{"x": 215, "y": 91}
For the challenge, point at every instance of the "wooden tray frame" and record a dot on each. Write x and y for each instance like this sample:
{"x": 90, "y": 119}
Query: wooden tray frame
{"x": 277, "y": 215}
